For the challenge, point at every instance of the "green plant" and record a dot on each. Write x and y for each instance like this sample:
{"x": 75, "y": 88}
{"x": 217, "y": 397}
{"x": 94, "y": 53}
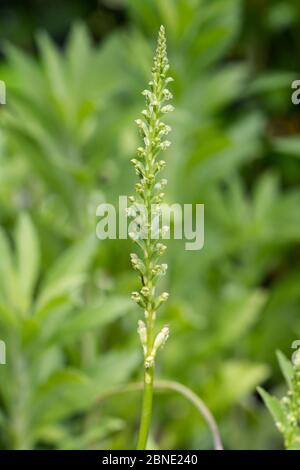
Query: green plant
{"x": 286, "y": 412}
{"x": 44, "y": 318}
{"x": 149, "y": 194}
{"x": 235, "y": 146}
{"x": 66, "y": 143}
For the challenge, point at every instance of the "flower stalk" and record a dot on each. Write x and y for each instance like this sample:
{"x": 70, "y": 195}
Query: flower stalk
{"x": 145, "y": 230}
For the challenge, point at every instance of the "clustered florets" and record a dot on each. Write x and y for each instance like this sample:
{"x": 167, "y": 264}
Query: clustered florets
{"x": 291, "y": 408}
{"x": 150, "y": 193}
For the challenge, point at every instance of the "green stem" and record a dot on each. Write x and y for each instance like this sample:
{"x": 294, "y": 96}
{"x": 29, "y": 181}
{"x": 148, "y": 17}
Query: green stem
{"x": 182, "y": 390}
{"x": 146, "y": 409}
{"x": 146, "y": 413}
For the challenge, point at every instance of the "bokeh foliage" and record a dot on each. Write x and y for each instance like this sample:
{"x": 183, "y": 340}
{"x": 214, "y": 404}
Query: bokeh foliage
{"x": 66, "y": 138}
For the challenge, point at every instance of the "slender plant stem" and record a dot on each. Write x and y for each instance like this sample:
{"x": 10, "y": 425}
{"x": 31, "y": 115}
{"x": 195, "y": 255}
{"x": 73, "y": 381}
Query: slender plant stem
{"x": 147, "y": 402}
{"x": 146, "y": 409}
{"x": 177, "y": 387}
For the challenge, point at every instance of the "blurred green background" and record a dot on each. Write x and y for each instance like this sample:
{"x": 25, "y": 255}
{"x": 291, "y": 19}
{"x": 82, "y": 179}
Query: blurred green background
{"x": 74, "y": 73}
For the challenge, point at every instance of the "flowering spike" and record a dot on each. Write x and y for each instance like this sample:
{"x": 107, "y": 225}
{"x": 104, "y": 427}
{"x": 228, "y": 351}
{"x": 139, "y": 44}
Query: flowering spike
{"x": 149, "y": 193}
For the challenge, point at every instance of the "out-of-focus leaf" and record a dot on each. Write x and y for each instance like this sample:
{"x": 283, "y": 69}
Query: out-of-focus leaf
{"x": 265, "y": 195}
{"x": 236, "y": 315}
{"x": 65, "y": 391}
{"x": 92, "y": 437}
{"x": 25, "y": 66}
{"x": 67, "y": 272}
{"x": 7, "y": 317}
{"x": 27, "y": 247}
{"x": 270, "y": 82}
{"x": 234, "y": 379}
{"x": 8, "y": 285}
{"x": 55, "y": 70}
{"x": 274, "y": 406}
{"x": 90, "y": 318}
{"x": 287, "y": 145}
{"x": 51, "y": 434}
{"x": 114, "y": 368}
{"x": 285, "y": 367}
{"x": 79, "y": 57}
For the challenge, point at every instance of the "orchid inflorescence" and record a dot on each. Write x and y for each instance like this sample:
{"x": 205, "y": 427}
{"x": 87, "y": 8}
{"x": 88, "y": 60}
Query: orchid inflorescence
{"x": 149, "y": 194}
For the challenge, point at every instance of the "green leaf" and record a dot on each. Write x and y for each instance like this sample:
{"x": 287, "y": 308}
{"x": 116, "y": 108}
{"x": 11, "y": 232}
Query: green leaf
{"x": 294, "y": 447}
{"x": 51, "y": 434}
{"x": 65, "y": 392}
{"x": 54, "y": 68}
{"x": 93, "y": 317}
{"x": 270, "y": 82}
{"x": 287, "y": 145}
{"x": 232, "y": 381}
{"x": 92, "y": 437}
{"x": 274, "y": 406}
{"x": 79, "y": 54}
{"x": 285, "y": 367}
{"x": 114, "y": 368}
{"x": 7, "y": 317}
{"x": 265, "y": 196}
{"x": 28, "y": 260}
{"x": 68, "y": 272}
{"x": 237, "y": 313}
{"x": 8, "y": 287}
{"x": 25, "y": 66}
